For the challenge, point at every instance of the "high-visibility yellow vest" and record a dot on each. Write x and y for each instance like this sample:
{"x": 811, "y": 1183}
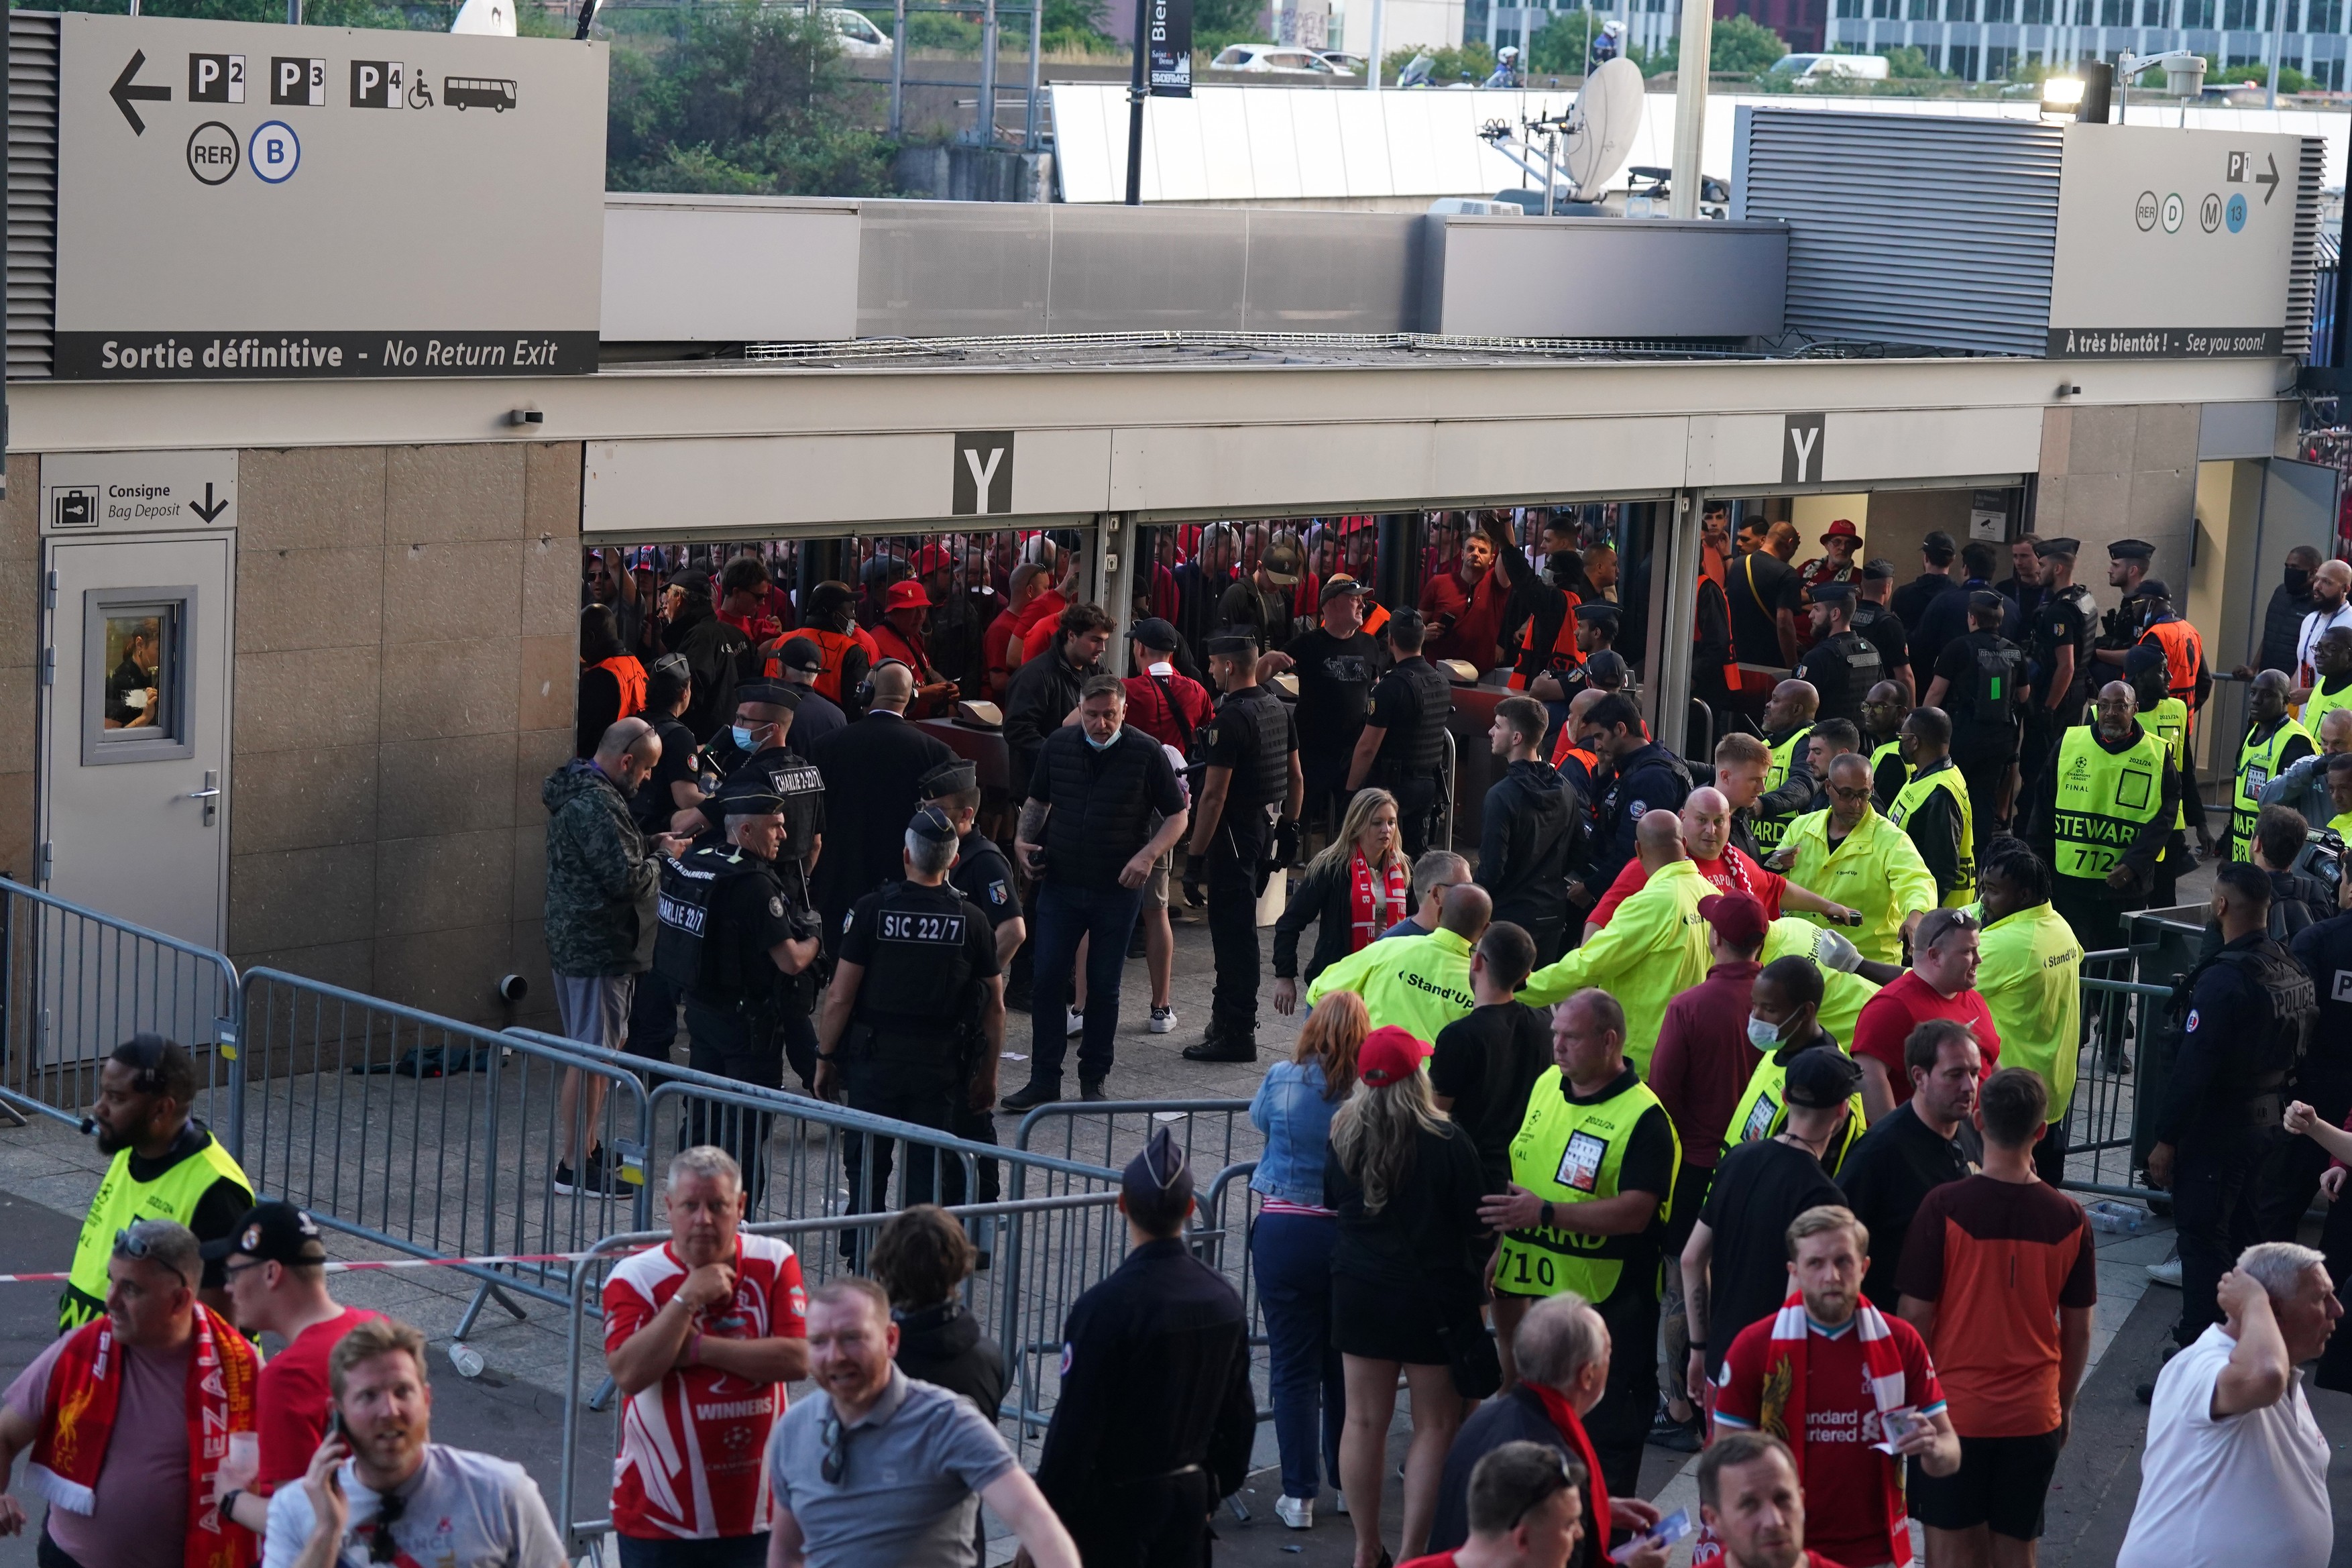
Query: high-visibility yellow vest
{"x": 2104, "y": 799}
{"x": 1769, "y": 830}
{"x": 1874, "y": 870}
{"x": 1565, "y": 1154}
{"x": 1763, "y": 1112}
{"x": 2321, "y": 703}
{"x": 1878, "y": 760}
{"x": 2029, "y": 974}
{"x": 1843, "y": 995}
{"x": 1914, "y": 793}
{"x": 122, "y": 1200}
{"x": 2258, "y": 763}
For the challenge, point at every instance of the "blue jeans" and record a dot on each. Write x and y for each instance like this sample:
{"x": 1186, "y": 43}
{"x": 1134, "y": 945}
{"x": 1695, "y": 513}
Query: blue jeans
{"x": 1292, "y": 1254}
{"x": 1064, "y": 914}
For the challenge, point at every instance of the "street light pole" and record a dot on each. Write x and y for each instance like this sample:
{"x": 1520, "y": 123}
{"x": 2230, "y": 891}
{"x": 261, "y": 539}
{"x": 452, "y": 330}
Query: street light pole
{"x": 1137, "y": 86}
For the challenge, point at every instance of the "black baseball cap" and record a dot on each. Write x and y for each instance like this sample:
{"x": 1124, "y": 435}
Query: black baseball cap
{"x": 271, "y": 1233}
{"x": 799, "y": 653}
{"x": 1155, "y": 634}
{"x": 1822, "y": 1077}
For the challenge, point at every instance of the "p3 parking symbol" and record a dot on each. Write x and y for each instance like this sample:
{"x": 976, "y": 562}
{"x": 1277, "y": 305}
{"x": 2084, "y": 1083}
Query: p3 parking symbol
{"x": 274, "y": 153}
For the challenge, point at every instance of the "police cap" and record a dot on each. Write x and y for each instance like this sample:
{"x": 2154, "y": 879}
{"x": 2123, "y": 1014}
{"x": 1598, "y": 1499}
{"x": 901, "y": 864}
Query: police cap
{"x": 1985, "y": 599}
{"x": 1822, "y": 1077}
{"x": 930, "y": 823}
{"x": 2131, "y": 549}
{"x": 950, "y": 778}
{"x": 801, "y": 653}
{"x": 1158, "y": 1183}
{"x": 2069, "y": 548}
{"x": 1832, "y": 593}
{"x": 1600, "y": 612}
{"x": 1878, "y": 569}
{"x": 2153, "y": 588}
{"x": 1233, "y": 645}
{"x": 770, "y": 693}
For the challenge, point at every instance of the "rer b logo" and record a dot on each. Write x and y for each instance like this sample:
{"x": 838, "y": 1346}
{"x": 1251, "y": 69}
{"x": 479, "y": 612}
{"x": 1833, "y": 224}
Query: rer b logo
{"x": 274, "y": 153}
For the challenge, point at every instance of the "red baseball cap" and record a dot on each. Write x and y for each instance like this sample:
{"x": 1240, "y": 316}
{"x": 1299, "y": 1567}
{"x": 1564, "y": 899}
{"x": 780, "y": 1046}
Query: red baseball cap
{"x": 906, "y": 594}
{"x": 1390, "y": 1055}
{"x": 1736, "y": 918}
{"x": 933, "y": 558}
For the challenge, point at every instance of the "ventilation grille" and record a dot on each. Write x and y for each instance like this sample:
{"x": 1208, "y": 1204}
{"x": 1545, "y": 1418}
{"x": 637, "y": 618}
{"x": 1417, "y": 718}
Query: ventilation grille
{"x": 2302, "y": 275}
{"x": 1903, "y": 228}
{"x": 32, "y": 194}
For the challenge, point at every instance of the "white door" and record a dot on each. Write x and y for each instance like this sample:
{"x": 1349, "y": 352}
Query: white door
{"x": 135, "y": 703}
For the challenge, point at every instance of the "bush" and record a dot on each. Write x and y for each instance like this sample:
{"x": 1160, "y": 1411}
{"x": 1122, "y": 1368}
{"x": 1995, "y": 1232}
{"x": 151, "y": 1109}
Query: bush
{"x": 1474, "y": 59}
{"x": 1909, "y": 63}
{"x": 1743, "y": 45}
{"x": 742, "y": 101}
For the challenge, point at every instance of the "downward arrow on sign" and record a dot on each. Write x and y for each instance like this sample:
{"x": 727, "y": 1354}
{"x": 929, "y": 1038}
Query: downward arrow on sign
{"x": 210, "y": 509}
{"x": 2271, "y": 179}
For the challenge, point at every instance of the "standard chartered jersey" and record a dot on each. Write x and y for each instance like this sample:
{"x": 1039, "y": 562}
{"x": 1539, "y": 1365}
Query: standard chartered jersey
{"x": 692, "y": 1442}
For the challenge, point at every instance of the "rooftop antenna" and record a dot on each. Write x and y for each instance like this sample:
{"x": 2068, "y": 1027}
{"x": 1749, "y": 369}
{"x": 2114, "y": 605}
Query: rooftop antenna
{"x": 1592, "y": 138}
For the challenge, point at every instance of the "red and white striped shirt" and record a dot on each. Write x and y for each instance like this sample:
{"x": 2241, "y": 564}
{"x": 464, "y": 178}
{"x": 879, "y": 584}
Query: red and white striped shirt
{"x": 692, "y": 1445}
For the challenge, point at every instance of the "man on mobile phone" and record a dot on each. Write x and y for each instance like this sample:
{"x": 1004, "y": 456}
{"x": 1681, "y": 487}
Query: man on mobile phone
{"x": 379, "y": 1475}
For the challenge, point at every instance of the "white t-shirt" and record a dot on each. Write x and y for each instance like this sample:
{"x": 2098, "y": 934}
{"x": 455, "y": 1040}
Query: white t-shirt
{"x": 2316, "y": 625}
{"x": 2221, "y": 1494}
{"x": 461, "y": 1508}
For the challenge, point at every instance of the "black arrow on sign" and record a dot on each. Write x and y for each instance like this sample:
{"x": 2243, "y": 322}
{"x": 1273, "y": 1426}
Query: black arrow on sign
{"x": 2271, "y": 179}
{"x": 123, "y": 92}
{"x": 211, "y": 508}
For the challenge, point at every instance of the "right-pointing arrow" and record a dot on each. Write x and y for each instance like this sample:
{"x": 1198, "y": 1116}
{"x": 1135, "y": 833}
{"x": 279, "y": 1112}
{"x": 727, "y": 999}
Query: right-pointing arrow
{"x": 2271, "y": 179}
{"x": 123, "y": 92}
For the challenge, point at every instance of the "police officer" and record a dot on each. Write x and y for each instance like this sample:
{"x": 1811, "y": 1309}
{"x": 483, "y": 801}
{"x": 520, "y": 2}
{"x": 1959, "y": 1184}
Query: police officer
{"x": 983, "y": 874}
{"x": 2274, "y": 743}
{"x": 757, "y": 752}
{"x": 2058, "y": 644}
{"x": 1642, "y": 777}
{"x": 1155, "y": 1419}
{"x": 1251, "y": 751}
{"x": 917, "y": 978}
{"x": 162, "y": 1164}
{"x": 2120, "y": 629}
{"x": 1593, "y": 1175}
{"x": 1842, "y": 663}
{"x": 2245, "y": 1017}
{"x": 735, "y": 931}
{"x": 1885, "y": 629}
{"x": 2106, "y": 809}
{"x": 1403, "y": 746}
{"x": 1980, "y": 683}
{"x": 1934, "y": 807}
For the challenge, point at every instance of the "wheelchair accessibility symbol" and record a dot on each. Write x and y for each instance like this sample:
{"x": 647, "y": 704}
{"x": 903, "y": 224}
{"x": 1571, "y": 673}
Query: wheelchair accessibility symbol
{"x": 274, "y": 153}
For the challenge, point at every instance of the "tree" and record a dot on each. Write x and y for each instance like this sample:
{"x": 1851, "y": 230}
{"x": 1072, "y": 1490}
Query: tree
{"x": 742, "y": 100}
{"x": 1558, "y": 47}
{"x": 1742, "y": 46}
{"x": 1909, "y": 63}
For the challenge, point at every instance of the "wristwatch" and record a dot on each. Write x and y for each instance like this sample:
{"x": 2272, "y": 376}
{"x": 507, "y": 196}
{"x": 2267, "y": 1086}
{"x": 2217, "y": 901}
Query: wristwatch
{"x": 1545, "y": 1214}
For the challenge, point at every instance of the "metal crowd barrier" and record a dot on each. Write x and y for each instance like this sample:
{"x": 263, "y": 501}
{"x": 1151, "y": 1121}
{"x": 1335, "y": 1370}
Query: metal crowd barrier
{"x": 1212, "y": 1132}
{"x": 2114, "y": 1078}
{"x": 74, "y": 984}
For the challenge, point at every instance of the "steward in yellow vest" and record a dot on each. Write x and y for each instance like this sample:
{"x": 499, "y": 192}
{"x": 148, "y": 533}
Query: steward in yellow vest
{"x": 2331, "y": 676}
{"x": 1883, "y": 713}
{"x": 166, "y": 1166}
{"x": 1592, "y": 1180}
{"x": 1784, "y": 1020}
{"x": 1788, "y": 725}
{"x": 1853, "y": 854}
{"x": 1933, "y": 807}
{"x": 2274, "y": 742}
{"x": 2030, "y": 974}
{"x": 1420, "y": 984}
{"x": 1652, "y": 949}
{"x": 2168, "y": 716}
{"x": 2106, "y": 809}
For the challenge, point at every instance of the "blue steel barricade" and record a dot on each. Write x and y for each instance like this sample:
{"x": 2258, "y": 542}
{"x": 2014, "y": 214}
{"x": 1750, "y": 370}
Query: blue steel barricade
{"x": 1214, "y": 1132}
{"x": 431, "y": 1137}
{"x": 74, "y": 984}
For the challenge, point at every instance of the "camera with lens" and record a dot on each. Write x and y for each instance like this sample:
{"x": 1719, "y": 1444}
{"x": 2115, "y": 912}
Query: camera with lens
{"x": 2323, "y": 858}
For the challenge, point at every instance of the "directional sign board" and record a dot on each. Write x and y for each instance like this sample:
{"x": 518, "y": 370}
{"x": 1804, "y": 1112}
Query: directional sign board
{"x": 2173, "y": 243}
{"x": 245, "y": 201}
{"x": 137, "y": 492}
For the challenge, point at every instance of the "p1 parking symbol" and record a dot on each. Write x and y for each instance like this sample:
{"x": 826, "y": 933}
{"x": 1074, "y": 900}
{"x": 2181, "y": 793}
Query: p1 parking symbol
{"x": 275, "y": 152}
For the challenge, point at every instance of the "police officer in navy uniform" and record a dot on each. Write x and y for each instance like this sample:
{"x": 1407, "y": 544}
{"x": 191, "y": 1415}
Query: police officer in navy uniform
{"x": 1403, "y": 746}
{"x": 982, "y": 873}
{"x": 1155, "y": 1419}
{"x": 2250, "y": 1011}
{"x": 1250, "y": 747}
{"x": 734, "y": 936}
{"x": 916, "y": 978}
{"x": 1845, "y": 664}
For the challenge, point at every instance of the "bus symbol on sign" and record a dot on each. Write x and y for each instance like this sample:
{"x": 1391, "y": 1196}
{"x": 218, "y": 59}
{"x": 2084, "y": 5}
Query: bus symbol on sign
{"x": 478, "y": 93}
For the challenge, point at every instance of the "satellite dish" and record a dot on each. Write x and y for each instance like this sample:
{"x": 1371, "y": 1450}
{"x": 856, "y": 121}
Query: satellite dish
{"x": 495, "y": 17}
{"x": 1601, "y": 127}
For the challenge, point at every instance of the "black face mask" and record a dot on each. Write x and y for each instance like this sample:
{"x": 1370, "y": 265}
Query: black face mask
{"x": 1560, "y": 566}
{"x": 2298, "y": 582}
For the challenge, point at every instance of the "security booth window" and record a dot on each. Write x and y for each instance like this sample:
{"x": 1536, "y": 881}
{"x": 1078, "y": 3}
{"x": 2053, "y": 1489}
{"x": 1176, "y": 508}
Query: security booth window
{"x": 134, "y": 705}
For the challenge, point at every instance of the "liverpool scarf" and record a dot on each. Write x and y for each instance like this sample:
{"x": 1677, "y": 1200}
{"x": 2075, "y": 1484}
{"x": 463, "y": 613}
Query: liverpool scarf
{"x": 1570, "y": 1426}
{"x": 1377, "y": 899}
{"x": 85, "y": 1393}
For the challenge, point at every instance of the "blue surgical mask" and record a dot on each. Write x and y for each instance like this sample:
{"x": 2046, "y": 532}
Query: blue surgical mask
{"x": 1099, "y": 745}
{"x": 743, "y": 738}
{"x": 1764, "y": 1036}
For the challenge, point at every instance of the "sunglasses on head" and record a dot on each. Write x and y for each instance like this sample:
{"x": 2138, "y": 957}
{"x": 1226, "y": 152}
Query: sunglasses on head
{"x": 1555, "y": 1482}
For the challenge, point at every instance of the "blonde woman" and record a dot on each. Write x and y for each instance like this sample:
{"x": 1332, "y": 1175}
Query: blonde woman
{"x": 1357, "y": 887}
{"x": 1405, "y": 1288}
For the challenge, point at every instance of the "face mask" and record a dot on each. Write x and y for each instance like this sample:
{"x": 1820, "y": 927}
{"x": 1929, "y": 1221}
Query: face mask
{"x": 1764, "y": 1036}
{"x": 743, "y": 738}
{"x": 1099, "y": 745}
{"x": 1557, "y": 566}
{"x": 2298, "y": 582}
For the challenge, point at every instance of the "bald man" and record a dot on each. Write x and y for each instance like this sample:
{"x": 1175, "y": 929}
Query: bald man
{"x": 1420, "y": 984}
{"x": 1653, "y": 947}
{"x": 1706, "y": 819}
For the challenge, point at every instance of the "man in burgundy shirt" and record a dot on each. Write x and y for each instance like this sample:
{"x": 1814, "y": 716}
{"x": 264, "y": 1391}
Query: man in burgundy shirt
{"x": 1464, "y": 606}
{"x": 1701, "y": 1067}
{"x": 1941, "y": 984}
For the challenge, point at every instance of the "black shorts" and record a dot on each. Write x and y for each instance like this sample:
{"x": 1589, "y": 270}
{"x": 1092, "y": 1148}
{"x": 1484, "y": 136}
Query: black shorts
{"x": 1378, "y": 1323}
{"x": 2002, "y": 1482}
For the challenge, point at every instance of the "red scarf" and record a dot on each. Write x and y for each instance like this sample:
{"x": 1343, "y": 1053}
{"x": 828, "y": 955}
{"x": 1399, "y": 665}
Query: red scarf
{"x": 1374, "y": 905}
{"x": 1570, "y": 1426}
{"x": 78, "y": 1422}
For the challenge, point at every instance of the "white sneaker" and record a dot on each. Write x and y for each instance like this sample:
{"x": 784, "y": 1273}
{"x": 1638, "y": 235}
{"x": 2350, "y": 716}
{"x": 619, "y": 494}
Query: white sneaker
{"x": 1075, "y": 1025}
{"x": 2166, "y": 1272}
{"x": 1298, "y": 1512}
{"x": 1340, "y": 1504}
{"x": 1163, "y": 1022}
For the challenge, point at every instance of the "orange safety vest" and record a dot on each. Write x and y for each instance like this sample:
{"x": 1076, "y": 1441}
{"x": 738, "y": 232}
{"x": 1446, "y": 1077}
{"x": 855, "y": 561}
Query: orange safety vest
{"x": 1564, "y": 747}
{"x": 1375, "y": 617}
{"x": 834, "y": 647}
{"x": 1564, "y": 650}
{"x": 631, "y": 675}
{"x": 2184, "y": 651}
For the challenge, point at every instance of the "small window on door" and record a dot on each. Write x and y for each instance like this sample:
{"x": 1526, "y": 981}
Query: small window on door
{"x": 135, "y": 676}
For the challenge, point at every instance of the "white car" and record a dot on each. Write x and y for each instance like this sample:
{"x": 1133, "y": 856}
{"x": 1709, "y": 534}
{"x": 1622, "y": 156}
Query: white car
{"x": 1271, "y": 59}
{"x": 1341, "y": 62}
{"x": 1814, "y": 67}
{"x": 860, "y": 39}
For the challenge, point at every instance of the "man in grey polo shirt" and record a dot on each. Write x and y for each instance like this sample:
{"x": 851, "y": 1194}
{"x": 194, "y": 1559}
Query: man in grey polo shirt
{"x": 883, "y": 1468}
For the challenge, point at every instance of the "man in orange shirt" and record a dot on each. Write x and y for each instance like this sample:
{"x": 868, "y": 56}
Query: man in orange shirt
{"x": 2000, "y": 1277}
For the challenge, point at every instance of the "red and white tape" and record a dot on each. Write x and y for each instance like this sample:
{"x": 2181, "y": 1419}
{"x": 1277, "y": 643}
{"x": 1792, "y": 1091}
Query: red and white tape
{"x": 355, "y": 1266}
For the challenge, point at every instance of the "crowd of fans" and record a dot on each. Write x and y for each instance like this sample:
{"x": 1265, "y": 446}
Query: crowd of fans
{"x": 1718, "y": 1105}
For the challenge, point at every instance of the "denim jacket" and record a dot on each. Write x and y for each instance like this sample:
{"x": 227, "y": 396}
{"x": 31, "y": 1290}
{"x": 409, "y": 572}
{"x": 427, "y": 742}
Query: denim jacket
{"x": 1291, "y": 1112}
